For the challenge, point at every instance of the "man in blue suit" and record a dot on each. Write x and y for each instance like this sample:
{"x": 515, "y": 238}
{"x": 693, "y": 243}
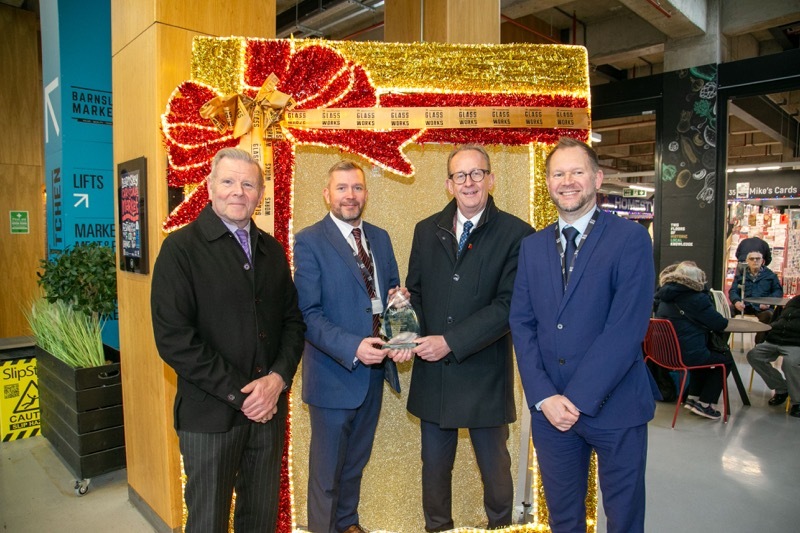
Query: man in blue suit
{"x": 579, "y": 313}
{"x": 345, "y": 271}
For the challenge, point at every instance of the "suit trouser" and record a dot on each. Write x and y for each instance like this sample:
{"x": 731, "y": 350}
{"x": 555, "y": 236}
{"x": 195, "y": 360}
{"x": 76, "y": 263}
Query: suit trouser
{"x": 246, "y": 458}
{"x": 564, "y": 465}
{"x": 438, "y": 456}
{"x": 341, "y": 443}
{"x": 763, "y": 354}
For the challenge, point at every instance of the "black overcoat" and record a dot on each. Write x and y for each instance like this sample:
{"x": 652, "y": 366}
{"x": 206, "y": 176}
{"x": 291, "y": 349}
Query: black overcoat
{"x": 467, "y": 300}
{"x": 221, "y": 323}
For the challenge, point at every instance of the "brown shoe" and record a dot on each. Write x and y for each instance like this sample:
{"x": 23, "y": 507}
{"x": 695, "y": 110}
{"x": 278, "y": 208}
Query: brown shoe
{"x": 356, "y": 528}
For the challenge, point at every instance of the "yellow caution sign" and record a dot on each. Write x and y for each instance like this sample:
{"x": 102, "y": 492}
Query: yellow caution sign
{"x": 19, "y": 405}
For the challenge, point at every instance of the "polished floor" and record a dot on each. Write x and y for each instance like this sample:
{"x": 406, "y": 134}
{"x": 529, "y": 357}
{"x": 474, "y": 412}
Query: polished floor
{"x": 703, "y": 476}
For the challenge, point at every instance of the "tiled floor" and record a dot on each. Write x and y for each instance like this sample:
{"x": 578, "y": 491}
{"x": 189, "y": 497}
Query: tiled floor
{"x": 703, "y": 476}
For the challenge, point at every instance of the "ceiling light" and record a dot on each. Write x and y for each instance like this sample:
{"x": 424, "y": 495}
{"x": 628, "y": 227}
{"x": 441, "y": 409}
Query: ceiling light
{"x": 745, "y": 169}
{"x": 596, "y": 138}
{"x": 771, "y": 167}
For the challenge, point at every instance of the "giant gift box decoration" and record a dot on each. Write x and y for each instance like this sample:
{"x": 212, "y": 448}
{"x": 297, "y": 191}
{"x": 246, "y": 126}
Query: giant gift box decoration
{"x": 370, "y": 99}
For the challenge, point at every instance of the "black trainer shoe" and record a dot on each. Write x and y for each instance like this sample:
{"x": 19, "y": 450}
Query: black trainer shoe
{"x": 706, "y": 411}
{"x": 795, "y": 410}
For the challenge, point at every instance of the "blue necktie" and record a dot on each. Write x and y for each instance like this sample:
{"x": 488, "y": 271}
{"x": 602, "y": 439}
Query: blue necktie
{"x": 462, "y": 242}
{"x": 244, "y": 240}
{"x": 569, "y": 235}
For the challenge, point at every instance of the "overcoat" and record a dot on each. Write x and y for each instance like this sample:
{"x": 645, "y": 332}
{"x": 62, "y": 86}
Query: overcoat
{"x": 222, "y": 323}
{"x": 467, "y": 300}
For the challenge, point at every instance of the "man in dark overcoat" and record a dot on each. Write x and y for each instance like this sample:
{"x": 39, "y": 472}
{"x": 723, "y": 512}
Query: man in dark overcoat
{"x": 460, "y": 276}
{"x": 226, "y": 319}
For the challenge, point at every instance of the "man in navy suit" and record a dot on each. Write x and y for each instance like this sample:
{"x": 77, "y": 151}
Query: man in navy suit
{"x": 345, "y": 270}
{"x": 579, "y": 313}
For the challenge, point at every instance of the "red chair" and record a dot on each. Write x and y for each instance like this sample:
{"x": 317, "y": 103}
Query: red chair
{"x": 661, "y": 347}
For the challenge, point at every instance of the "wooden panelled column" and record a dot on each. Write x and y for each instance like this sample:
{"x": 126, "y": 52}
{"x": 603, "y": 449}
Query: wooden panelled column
{"x": 21, "y": 166}
{"x": 443, "y": 21}
{"x": 151, "y": 48}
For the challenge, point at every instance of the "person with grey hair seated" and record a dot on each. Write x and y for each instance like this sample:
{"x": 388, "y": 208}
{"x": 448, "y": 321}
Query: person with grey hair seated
{"x": 684, "y": 300}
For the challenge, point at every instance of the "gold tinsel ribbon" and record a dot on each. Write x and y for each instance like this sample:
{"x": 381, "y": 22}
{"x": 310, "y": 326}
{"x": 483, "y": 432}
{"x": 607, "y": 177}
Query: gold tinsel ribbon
{"x": 256, "y": 123}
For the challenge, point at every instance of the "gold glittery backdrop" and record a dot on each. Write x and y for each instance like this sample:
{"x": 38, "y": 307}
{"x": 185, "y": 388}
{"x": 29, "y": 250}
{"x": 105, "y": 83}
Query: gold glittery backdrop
{"x": 391, "y": 494}
{"x": 391, "y": 490}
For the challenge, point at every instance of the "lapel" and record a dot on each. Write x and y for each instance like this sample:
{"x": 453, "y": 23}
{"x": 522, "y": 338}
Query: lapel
{"x": 553, "y": 258}
{"x": 377, "y": 264}
{"x": 584, "y": 258}
{"x": 338, "y": 242}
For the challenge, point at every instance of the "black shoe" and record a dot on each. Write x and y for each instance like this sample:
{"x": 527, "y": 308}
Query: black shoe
{"x": 706, "y": 411}
{"x": 779, "y": 398}
{"x": 795, "y": 410}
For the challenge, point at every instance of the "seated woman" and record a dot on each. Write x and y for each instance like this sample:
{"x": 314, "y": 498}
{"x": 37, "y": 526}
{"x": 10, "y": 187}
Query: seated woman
{"x": 759, "y": 282}
{"x": 684, "y": 300}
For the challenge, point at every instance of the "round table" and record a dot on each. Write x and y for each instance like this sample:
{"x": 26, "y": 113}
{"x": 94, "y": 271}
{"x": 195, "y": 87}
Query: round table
{"x": 767, "y": 300}
{"x": 741, "y": 325}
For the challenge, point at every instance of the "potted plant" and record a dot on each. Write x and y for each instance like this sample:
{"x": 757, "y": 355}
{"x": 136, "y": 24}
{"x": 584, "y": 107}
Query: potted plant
{"x": 80, "y": 390}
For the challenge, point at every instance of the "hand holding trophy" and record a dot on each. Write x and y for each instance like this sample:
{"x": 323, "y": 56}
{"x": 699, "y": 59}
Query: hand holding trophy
{"x": 399, "y": 323}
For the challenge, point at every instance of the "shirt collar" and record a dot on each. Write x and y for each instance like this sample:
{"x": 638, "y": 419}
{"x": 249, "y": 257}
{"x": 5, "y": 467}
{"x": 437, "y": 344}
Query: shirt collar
{"x": 346, "y": 228}
{"x": 580, "y": 224}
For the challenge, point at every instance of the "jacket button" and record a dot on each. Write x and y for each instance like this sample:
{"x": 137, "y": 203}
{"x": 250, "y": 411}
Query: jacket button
{"x": 562, "y": 361}
{"x": 259, "y": 370}
{"x": 560, "y": 326}
{"x": 231, "y": 397}
{"x": 368, "y": 310}
{"x": 456, "y": 277}
{"x": 246, "y": 266}
{"x": 447, "y": 361}
{"x": 449, "y": 320}
{"x": 262, "y": 335}
{"x": 258, "y": 300}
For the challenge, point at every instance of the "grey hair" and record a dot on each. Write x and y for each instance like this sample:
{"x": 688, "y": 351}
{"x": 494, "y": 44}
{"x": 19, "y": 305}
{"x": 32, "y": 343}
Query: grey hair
{"x": 467, "y": 148}
{"x": 691, "y": 271}
{"x": 237, "y": 154}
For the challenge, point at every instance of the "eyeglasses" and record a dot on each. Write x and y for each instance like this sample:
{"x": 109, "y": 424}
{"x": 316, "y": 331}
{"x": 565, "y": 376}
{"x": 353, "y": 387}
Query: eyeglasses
{"x": 754, "y": 258}
{"x": 477, "y": 175}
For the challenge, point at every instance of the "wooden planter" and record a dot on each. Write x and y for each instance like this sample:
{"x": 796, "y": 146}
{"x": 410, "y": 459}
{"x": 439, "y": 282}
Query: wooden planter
{"x": 81, "y": 413}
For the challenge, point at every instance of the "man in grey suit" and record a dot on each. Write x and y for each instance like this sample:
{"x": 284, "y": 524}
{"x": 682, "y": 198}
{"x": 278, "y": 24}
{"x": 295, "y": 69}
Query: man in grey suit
{"x": 460, "y": 276}
{"x": 345, "y": 270}
{"x": 226, "y": 319}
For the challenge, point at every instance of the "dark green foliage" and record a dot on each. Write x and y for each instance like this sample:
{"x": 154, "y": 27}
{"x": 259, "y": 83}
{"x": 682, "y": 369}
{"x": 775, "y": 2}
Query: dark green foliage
{"x": 84, "y": 276}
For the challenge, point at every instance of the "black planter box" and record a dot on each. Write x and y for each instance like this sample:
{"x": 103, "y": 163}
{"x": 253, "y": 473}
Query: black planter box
{"x": 81, "y": 413}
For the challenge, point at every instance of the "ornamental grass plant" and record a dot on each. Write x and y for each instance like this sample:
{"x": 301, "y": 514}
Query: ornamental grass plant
{"x": 66, "y": 333}
{"x": 80, "y": 292}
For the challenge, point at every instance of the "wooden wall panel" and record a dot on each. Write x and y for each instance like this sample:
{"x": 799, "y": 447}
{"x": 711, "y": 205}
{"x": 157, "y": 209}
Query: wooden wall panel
{"x": 152, "y": 44}
{"x": 403, "y": 22}
{"x": 21, "y": 166}
{"x": 473, "y": 21}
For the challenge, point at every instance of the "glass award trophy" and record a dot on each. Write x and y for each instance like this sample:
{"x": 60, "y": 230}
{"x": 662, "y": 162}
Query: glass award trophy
{"x": 399, "y": 323}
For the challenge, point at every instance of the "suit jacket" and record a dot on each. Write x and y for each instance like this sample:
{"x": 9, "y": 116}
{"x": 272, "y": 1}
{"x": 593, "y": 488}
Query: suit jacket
{"x": 466, "y": 300}
{"x": 586, "y": 343}
{"x": 338, "y": 311}
{"x": 221, "y": 323}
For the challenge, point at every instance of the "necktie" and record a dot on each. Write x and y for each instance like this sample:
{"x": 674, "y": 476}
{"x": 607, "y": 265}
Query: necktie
{"x": 368, "y": 273}
{"x": 569, "y": 234}
{"x": 462, "y": 242}
{"x": 244, "y": 240}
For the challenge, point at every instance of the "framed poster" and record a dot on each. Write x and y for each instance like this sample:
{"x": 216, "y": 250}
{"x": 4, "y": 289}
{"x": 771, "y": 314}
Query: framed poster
{"x": 133, "y": 215}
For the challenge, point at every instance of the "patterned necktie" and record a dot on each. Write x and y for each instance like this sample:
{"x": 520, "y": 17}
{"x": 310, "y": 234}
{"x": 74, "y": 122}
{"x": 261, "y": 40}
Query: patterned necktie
{"x": 569, "y": 234}
{"x": 368, "y": 273}
{"x": 244, "y": 240}
{"x": 462, "y": 242}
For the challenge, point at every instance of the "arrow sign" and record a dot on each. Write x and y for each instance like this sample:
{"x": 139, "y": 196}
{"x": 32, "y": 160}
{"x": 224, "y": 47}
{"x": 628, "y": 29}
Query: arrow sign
{"x": 82, "y": 197}
{"x": 52, "y": 86}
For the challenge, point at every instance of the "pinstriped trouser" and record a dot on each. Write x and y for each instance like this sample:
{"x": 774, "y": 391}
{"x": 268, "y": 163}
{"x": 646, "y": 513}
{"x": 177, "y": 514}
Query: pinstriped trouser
{"x": 247, "y": 458}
